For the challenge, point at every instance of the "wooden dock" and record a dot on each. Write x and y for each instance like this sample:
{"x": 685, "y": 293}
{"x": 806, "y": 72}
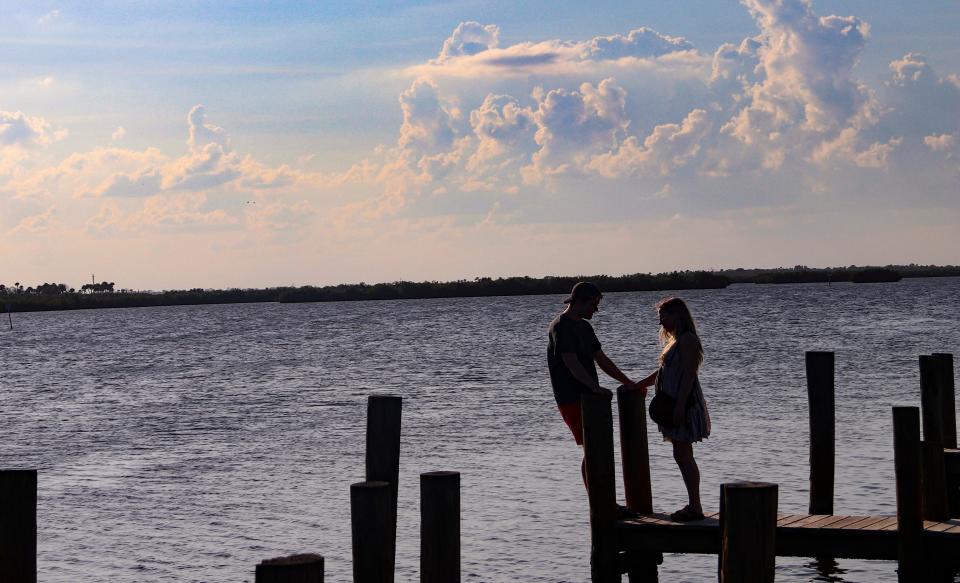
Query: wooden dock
{"x": 797, "y": 535}
{"x": 924, "y": 536}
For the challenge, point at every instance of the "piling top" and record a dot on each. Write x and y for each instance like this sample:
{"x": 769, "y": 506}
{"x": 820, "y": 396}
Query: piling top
{"x": 439, "y": 474}
{"x": 384, "y": 397}
{"x": 373, "y": 484}
{"x": 301, "y": 559}
{"x": 749, "y": 485}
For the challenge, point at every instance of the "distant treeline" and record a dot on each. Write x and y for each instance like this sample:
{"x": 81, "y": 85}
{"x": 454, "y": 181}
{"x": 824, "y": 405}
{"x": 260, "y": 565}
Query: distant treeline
{"x": 72, "y": 300}
{"x": 804, "y": 274}
{"x": 57, "y": 296}
{"x": 510, "y": 286}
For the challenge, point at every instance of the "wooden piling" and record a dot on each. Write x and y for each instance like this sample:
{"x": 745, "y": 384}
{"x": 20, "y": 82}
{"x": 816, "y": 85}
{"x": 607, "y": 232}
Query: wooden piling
{"x": 748, "y": 543}
{"x": 371, "y": 529}
{"x": 934, "y": 478}
{"x": 306, "y": 568}
{"x": 821, "y": 398}
{"x": 383, "y": 453}
{"x": 635, "y": 460}
{"x": 440, "y": 527}
{"x": 945, "y": 378}
{"x": 597, "y": 416}
{"x": 944, "y": 366}
{"x": 18, "y": 526}
{"x": 748, "y": 539}
{"x": 634, "y": 452}
{"x": 906, "y": 459}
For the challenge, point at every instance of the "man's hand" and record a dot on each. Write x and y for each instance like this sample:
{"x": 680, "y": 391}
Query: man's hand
{"x": 633, "y": 386}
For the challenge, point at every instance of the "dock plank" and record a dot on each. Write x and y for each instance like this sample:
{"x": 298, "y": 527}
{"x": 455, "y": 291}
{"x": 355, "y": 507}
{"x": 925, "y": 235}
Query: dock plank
{"x": 848, "y": 521}
{"x": 867, "y": 522}
{"x": 789, "y": 519}
{"x": 838, "y": 536}
{"x": 823, "y": 522}
{"x": 883, "y": 524}
{"x": 809, "y": 519}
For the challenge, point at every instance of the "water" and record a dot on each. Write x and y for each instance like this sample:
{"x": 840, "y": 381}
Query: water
{"x": 189, "y": 443}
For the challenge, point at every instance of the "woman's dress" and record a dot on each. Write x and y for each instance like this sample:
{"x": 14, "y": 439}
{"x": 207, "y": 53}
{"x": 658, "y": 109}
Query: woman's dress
{"x": 697, "y": 425}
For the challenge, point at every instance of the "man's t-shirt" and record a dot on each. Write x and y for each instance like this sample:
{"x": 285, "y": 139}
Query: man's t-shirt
{"x": 569, "y": 335}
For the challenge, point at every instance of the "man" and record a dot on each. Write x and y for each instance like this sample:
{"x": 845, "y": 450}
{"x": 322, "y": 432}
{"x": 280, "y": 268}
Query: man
{"x": 573, "y": 353}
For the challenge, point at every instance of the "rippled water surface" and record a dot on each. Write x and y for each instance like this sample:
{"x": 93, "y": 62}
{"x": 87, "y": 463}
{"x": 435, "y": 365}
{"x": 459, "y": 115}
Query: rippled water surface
{"x": 189, "y": 443}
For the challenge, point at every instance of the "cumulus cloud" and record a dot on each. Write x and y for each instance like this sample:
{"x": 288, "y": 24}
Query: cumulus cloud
{"x": 941, "y": 143}
{"x": 922, "y": 101}
{"x": 642, "y": 43}
{"x": 427, "y": 123}
{"x": 473, "y": 49}
{"x": 503, "y": 128}
{"x": 572, "y": 126}
{"x": 118, "y": 134}
{"x": 203, "y": 133}
{"x": 793, "y": 92}
{"x": 16, "y": 129}
{"x": 734, "y": 69}
{"x": 668, "y": 148}
{"x": 470, "y": 38}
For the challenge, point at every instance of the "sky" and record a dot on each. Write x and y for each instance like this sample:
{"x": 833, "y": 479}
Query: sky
{"x": 168, "y": 145}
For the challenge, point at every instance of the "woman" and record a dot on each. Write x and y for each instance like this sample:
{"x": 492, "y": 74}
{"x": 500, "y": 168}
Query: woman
{"x": 680, "y": 360}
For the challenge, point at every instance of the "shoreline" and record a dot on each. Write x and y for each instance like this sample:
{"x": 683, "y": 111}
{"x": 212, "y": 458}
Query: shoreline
{"x": 32, "y": 301}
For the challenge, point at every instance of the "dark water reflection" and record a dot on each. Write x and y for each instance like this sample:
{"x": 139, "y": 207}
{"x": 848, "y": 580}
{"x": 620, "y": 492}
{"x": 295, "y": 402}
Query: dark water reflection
{"x": 187, "y": 444}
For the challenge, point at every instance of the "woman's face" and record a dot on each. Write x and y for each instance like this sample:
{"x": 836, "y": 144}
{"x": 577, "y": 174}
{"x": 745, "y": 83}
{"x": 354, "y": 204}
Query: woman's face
{"x": 667, "y": 320}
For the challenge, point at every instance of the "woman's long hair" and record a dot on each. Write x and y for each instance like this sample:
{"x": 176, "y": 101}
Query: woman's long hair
{"x": 684, "y": 323}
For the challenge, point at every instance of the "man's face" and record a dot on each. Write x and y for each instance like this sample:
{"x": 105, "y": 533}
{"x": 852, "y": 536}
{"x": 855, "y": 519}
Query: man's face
{"x": 590, "y": 307}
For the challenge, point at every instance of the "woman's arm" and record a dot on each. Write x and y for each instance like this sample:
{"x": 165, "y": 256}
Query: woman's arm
{"x": 650, "y": 380}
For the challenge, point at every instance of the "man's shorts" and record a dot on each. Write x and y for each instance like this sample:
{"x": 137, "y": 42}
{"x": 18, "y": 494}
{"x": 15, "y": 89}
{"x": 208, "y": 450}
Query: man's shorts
{"x": 574, "y": 420}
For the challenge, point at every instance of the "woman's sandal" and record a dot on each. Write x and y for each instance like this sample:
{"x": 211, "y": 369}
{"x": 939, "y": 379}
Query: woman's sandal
{"x": 686, "y": 514}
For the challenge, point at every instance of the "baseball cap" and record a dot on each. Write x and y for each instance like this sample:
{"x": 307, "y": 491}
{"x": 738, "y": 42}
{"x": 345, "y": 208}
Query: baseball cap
{"x": 583, "y": 289}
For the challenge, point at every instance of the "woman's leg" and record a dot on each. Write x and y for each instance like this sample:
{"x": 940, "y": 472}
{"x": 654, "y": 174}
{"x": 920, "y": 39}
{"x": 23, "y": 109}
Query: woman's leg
{"x": 683, "y": 453}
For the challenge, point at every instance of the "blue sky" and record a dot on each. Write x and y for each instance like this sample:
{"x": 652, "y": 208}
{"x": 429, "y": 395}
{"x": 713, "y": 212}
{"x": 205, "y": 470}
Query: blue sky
{"x": 181, "y": 144}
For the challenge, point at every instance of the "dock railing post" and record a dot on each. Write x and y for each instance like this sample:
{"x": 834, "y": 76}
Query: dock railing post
{"x": 598, "y": 456}
{"x": 440, "y": 527}
{"x": 370, "y": 532}
{"x": 635, "y": 460}
{"x": 383, "y": 453}
{"x": 307, "y": 568}
{"x": 18, "y": 526}
{"x": 933, "y": 471}
{"x": 634, "y": 451}
{"x": 821, "y": 399}
{"x": 748, "y": 543}
{"x": 944, "y": 365}
{"x": 906, "y": 460}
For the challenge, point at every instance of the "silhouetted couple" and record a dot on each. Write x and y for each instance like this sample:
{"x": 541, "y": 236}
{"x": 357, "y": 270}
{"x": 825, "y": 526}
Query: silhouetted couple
{"x": 574, "y": 352}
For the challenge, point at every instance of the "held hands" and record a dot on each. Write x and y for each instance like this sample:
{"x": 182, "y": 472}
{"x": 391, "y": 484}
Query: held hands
{"x": 636, "y": 386}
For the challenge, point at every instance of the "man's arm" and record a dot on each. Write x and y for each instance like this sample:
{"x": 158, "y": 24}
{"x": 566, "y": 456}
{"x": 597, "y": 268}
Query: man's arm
{"x": 607, "y": 366}
{"x": 580, "y": 373}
